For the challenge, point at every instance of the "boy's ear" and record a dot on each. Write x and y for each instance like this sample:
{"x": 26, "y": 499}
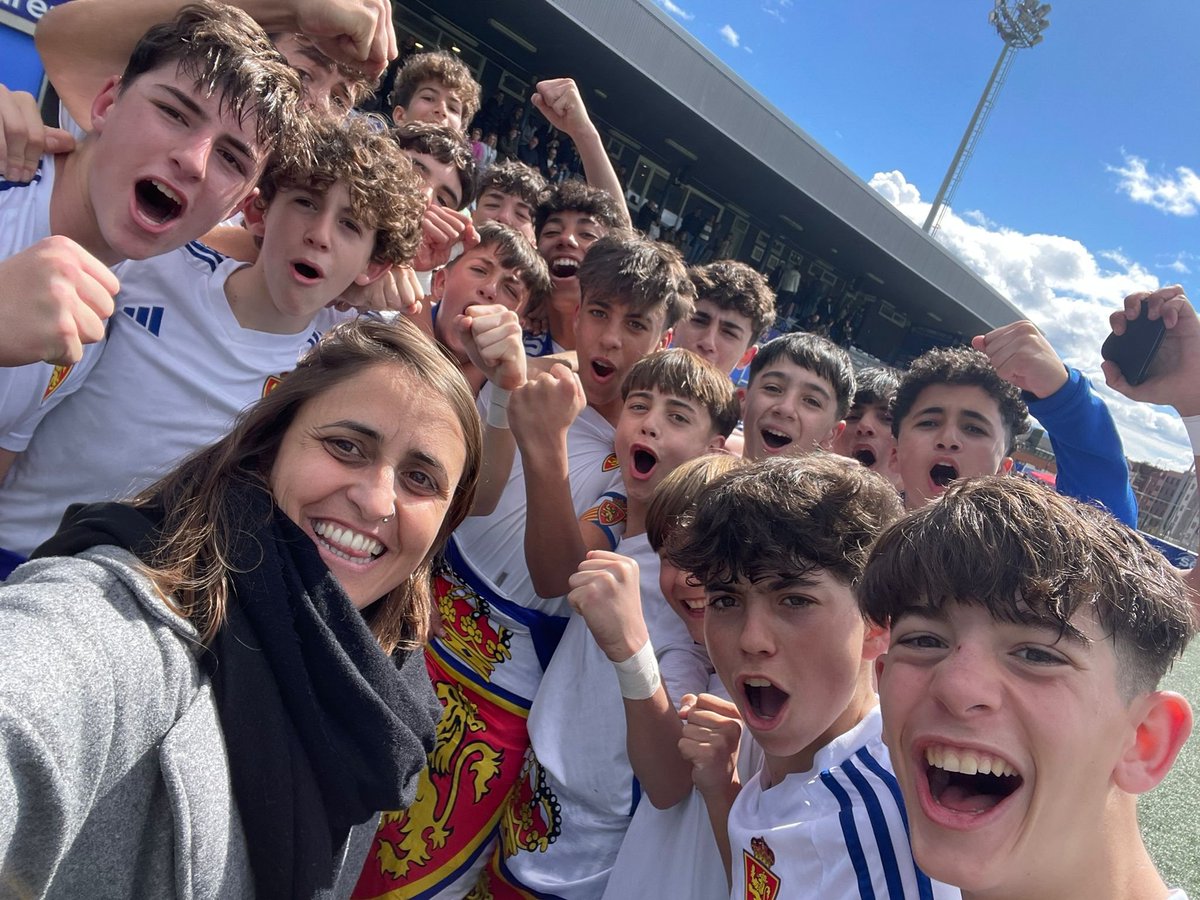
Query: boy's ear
{"x": 437, "y": 287}
{"x": 254, "y": 214}
{"x": 665, "y": 342}
{"x": 834, "y": 434}
{"x": 1006, "y": 465}
{"x": 373, "y": 272}
{"x": 103, "y": 102}
{"x": 741, "y": 399}
{"x": 717, "y": 443}
{"x": 398, "y": 115}
{"x": 1162, "y": 723}
{"x": 875, "y": 643}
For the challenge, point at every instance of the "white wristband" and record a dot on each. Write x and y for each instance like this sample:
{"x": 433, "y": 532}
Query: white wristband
{"x": 497, "y": 411}
{"x": 638, "y": 676}
{"x": 1192, "y": 424}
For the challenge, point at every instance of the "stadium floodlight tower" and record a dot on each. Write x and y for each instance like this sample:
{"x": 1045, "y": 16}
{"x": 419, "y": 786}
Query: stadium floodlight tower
{"x": 1020, "y": 25}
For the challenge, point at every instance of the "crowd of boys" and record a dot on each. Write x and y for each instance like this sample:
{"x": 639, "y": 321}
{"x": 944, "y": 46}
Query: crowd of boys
{"x": 805, "y": 638}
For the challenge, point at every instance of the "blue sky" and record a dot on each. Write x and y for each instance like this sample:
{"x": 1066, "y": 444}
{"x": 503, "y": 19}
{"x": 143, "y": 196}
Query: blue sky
{"x": 1084, "y": 186}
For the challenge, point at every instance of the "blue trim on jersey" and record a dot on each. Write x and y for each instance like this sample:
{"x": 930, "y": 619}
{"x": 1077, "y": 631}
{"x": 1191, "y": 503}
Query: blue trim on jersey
{"x": 850, "y": 835}
{"x": 924, "y": 887}
{"x": 545, "y": 629}
{"x": 879, "y": 826}
{"x": 9, "y": 561}
{"x": 205, "y": 254}
{"x": 11, "y": 185}
{"x": 636, "y": 797}
{"x": 445, "y": 657}
{"x": 514, "y": 881}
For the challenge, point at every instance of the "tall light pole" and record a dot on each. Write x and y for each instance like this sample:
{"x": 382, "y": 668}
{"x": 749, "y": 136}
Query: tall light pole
{"x": 1020, "y": 25}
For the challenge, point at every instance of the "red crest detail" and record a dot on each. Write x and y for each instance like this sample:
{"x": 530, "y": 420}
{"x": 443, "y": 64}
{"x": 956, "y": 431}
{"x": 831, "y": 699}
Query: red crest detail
{"x": 610, "y": 463}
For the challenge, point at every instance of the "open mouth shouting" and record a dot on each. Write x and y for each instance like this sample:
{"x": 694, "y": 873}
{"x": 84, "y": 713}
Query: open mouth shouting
{"x": 865, "y": 455}
{"x": 603, "y": 370}
{"x": 305, "y": 272}
{"x": 962, "y": 785}
{"x": 564, "y": 267}
{"x": 345, "y": 543}
{"x": 643, "y": 462}
{"x": 941, "y": 474}
{"x": 157, "y": 203}
{"x": 775, "y": 440}
{"x": 764, "y": 702}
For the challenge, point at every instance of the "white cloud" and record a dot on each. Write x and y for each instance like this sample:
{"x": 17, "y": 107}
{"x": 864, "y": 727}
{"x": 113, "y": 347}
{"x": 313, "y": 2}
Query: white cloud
{"x": 730, "y": 36}
{"x": 1068, "y": 291}
{"x": 1176, "y": 195}
{"x": 676, "y": 10}
{"x": 775, "y": 8}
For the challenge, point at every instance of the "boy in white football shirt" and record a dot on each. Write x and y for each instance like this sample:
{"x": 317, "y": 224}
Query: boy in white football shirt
{"x": 170, "y": 155}
{"x": 779, "y": 546}
{"x": 198, "y": 336}
{"x": 676, "y": 408}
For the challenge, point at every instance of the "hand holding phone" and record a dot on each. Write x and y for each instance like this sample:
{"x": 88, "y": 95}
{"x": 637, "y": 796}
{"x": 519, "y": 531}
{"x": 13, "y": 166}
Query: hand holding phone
{"x": 1134, "y": 350}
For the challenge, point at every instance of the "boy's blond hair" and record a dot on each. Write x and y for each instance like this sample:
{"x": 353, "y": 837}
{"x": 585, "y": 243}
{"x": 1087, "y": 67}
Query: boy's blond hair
{"x": 447, "y": 70}
{"x": 675, "y": 498}
{"x": 681, "y": 373}
{"x": 385, "y": 193}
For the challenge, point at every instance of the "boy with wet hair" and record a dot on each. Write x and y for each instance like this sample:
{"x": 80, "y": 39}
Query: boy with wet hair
{"x": 953, "y": 417}
{"x": 779, "y": 546}
{"x": 337, "y": 48}
{"x": 734, "y": 307}
{"x": 798, "y": 396}
{"x": 867, "y": 436}
{"x": 179, "y": 140}
{"x": 498, "y": 635}
{"x": 202, "y": 335}
{"x": 435, "y": 87}
{"x": 509, "y": 192}
{"x": 676, "y": 407}
{"x": 570, "y": 218}
{"x": 1029, "y": 633}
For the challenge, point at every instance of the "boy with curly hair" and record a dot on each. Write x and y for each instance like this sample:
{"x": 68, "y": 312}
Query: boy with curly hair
{"x": 734, "y": 308}
{"x": 435, "y": 87}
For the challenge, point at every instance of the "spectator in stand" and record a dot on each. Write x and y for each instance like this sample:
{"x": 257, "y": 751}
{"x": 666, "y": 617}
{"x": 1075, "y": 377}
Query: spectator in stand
{"x": 489, "y": 152}
{"x": 510, "y": 145}
{"x": 476, "y": 143}
{"x": 647, "y": 213}
{"x": 531, "y": 155}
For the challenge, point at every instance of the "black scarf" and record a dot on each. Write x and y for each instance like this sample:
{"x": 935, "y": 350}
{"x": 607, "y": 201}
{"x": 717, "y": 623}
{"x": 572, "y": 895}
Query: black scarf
{"x": 323, "y": 730}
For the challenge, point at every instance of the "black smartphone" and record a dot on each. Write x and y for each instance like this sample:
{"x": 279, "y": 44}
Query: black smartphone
{"x": 1134, "y": 350}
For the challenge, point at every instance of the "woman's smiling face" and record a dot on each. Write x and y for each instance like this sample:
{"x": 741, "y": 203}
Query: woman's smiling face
{"x": 379, "y": 445}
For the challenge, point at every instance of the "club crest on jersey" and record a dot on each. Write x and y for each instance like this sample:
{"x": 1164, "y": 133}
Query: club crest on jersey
{"x": 57, "y": 377}
{"x": 761, "y": 882}
{"x": 610, "y": 463}
{"x": 272, "y": 382}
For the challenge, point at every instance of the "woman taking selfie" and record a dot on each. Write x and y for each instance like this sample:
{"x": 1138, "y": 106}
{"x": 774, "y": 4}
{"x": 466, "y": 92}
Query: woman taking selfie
{"x": 213, "y": 689}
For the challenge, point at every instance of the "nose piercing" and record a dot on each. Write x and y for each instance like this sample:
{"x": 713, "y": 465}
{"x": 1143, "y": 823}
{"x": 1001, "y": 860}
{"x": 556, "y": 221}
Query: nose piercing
{"x": 388, "y": 517}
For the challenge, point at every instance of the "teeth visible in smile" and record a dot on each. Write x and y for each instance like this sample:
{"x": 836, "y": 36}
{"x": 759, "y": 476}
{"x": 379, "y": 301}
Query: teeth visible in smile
{"x": 697, "y": 604}
{"x": 166, "y": 191}
{"x": 566, "y": 261}
{"x": 967, "y": 762}
{"x": 757, "y": 682}
{"x": 345, "y": 539}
